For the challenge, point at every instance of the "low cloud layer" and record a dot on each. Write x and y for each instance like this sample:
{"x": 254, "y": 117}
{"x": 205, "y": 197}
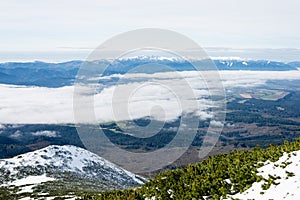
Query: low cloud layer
{"x": 45, "y": 133}
{"x": 33, "y": 105}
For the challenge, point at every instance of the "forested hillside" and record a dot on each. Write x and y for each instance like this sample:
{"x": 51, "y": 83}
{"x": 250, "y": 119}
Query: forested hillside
{"x": 217, "y": 177}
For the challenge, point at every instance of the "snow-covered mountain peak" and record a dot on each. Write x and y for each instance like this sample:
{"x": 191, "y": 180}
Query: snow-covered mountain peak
{"x": 57, "y": 161}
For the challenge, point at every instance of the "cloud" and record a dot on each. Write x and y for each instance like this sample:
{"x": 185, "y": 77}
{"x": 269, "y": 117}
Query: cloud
{"x": 162, "y": 96}
{"x": 16, "y": 135}
{"x": 45, "y": 133}
{"x": 214, "y": 22}
{"x": 216, "y": 124}
{"x": 28, "y": 105}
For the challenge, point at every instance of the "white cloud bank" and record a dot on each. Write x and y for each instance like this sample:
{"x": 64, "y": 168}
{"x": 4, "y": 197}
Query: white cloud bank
{"x": 45, "y": 133}
{"x": 33, "y": 105}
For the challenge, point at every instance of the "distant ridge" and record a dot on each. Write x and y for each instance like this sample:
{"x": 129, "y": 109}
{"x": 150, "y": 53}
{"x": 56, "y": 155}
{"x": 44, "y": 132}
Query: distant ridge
{"x": 63, "y": 74}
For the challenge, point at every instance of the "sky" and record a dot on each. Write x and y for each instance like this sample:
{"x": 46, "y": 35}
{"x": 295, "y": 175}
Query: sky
{"x": 73, "y": 28}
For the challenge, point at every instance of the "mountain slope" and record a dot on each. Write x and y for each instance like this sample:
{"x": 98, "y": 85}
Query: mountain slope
{"x": 287, "y": 186}
{"x": 226, "y": 176}
{"x": 67, "y": 168}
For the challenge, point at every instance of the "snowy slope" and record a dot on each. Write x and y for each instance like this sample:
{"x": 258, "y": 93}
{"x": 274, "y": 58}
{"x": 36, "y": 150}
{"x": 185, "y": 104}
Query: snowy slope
{"x": 288, "y": 185}
{"x": 62, "y": 162}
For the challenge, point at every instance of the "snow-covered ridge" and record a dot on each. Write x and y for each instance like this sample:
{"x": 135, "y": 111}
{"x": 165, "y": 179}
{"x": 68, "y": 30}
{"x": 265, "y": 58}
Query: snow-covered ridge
{"x": 229, "y": 58}
{"x": 151, "y": 58}
{"x": 179, "y": 58}
{"x": 59, "y": 159}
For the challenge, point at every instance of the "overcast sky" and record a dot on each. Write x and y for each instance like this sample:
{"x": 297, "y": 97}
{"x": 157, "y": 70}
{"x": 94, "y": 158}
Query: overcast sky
{"x": 56, "y": 25}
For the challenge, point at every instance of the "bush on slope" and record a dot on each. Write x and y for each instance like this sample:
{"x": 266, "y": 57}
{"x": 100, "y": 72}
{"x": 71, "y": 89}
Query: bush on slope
{"x": 213, "y": 178}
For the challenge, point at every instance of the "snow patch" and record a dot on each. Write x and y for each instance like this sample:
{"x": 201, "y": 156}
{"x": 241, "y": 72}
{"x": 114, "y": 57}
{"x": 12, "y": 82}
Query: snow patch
{"x": 244, "y": 63}
{"x": 289, "y": 185}
{"x": 31, "y": 180}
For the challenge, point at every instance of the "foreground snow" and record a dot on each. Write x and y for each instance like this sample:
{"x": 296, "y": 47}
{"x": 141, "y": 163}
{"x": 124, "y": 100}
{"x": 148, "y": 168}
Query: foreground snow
{"x": 27, "y": 184}
{"x": 31, "y": 180}
{"x": 288, "y": 187}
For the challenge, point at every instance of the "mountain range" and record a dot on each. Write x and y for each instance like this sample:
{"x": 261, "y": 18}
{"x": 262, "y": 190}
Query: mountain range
{"x": 64, "y": 74}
